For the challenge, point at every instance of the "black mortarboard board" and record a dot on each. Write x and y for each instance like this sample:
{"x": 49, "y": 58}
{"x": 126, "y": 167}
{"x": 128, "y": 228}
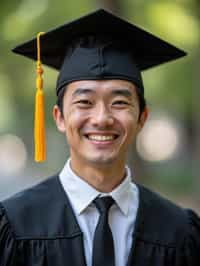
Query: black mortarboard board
{"x": 100, "y": 45}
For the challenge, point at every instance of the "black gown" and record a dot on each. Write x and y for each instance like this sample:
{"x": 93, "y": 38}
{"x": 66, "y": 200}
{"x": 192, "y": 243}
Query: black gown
{"x": 38, "y": 228}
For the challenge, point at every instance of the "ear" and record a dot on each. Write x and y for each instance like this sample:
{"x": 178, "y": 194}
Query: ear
{"x": 59, "y": 119}
{"x": 143, "y": 118}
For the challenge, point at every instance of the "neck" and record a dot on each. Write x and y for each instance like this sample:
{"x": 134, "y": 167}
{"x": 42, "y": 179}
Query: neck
{"x": 103, "y": 178}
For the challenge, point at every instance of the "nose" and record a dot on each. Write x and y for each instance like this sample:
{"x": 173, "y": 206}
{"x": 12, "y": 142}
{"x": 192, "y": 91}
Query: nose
{"x": 102, "y": 117}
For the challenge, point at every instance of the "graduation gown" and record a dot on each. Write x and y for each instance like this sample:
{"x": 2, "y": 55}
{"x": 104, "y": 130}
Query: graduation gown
{"x": 38, "y": 228}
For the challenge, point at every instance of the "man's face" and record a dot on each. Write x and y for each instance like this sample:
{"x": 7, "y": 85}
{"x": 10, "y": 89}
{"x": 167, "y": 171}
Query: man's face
{"x": 100, "y": 120}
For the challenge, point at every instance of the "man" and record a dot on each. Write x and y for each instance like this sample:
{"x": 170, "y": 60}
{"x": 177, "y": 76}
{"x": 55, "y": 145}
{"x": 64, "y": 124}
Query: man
{"x": 91, "y": 213}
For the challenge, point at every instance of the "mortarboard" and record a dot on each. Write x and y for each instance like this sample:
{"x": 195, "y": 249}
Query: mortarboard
{"x": 99, "y": 45}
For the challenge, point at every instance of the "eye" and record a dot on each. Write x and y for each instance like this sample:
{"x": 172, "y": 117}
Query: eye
{"x": 120, "y": 102}
{"x": 83, "y": 103}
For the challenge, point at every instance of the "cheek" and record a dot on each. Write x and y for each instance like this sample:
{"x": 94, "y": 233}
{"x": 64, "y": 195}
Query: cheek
{"x": 128, "y": 118}
{"x": 74, "y": 122}
{"x": 129, "y": 122}
{"x": 131, "y": 125}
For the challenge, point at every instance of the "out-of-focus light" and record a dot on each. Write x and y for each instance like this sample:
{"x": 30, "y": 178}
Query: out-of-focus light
{"x": 18, "y": 22}
{"x": 6, "y": 102}
{"x": 37, "y": 7}
{"x": 172, "y": 20}
{"x": 13, "y": 155}
{"x": 159, "y": 140}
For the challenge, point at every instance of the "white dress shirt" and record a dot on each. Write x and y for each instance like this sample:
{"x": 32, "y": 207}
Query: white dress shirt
{"x": 122, "y": 215}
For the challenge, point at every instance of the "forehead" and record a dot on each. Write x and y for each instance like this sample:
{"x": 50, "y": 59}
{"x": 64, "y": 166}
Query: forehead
{"x": 100, "y": 87}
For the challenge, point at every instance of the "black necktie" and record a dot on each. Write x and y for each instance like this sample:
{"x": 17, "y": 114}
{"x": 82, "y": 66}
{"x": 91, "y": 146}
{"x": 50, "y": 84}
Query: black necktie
{"x": 103, "y": 246}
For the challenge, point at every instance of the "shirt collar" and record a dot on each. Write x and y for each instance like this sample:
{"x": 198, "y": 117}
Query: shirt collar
{"x": 122, "y": 193}
{"x": 82, "y": 194}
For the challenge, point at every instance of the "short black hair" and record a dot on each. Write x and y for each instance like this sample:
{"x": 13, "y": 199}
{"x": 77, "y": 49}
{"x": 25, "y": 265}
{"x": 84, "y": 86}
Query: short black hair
{"x": 141, "y": 99}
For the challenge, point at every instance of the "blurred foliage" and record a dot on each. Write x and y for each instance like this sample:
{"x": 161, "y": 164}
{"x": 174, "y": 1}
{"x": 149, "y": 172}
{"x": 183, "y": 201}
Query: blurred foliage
{"x": 172, "y": 87}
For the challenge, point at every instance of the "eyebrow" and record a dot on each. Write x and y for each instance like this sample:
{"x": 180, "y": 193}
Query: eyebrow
{"x": 82, "y": 91}
{"x": 123, "y": 92}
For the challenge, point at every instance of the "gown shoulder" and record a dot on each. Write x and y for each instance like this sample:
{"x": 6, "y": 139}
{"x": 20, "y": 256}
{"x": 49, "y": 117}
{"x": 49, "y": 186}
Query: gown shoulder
{"x": 165, "y": 233}
{"x": 191, "y": 245}
{"x": 8, "y": 248}
{"x": 38, "y": 225}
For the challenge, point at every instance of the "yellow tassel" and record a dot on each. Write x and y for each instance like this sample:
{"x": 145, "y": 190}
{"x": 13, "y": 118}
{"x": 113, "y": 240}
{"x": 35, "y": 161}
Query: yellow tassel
{"x": 39, "y": 130}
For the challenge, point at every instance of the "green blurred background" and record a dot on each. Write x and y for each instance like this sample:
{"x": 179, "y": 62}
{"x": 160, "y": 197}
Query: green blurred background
{"x": 167, "y": 154}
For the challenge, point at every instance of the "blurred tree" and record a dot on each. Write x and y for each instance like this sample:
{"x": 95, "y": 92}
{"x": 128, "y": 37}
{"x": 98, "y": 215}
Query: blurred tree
{"x": 196, "y": 116}
{"x": 114, "y": 6}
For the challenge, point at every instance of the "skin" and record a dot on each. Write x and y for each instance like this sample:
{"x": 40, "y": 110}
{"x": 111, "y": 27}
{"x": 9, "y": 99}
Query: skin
{"x": 103, "y": 107}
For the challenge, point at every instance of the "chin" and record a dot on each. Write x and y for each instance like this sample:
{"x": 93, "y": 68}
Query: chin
{"x": 102, "y": 160}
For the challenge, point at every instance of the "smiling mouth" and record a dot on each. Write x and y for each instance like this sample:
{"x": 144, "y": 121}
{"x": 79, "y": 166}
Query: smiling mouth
{"x": 101, "y": 138}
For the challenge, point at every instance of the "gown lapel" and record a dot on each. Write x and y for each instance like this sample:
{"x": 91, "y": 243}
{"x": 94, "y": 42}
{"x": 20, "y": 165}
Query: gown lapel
{"x": 72, "y": 251}
{"x": 158, "y": 231}
{"x": 139, "y": 229}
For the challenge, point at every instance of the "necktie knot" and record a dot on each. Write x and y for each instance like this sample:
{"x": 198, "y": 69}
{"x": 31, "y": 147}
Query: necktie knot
{"x": 103, "y": 204}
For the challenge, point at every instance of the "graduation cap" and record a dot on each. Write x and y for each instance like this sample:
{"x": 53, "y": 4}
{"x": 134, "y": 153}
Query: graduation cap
{"x": 97, "y": 46}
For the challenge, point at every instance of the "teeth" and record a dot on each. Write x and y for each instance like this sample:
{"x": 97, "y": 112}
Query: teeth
{"x": 100, "y": 137}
